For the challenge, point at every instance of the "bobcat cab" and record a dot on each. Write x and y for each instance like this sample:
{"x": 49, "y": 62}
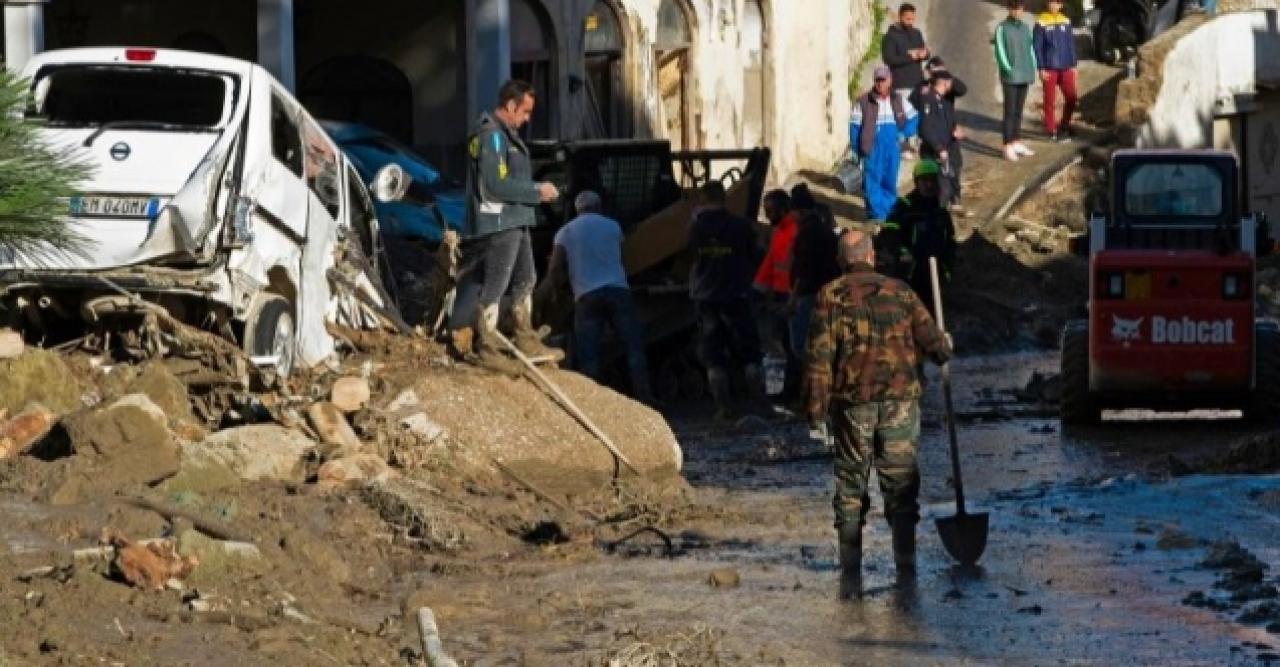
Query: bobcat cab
{"x": 1171, "y": 317}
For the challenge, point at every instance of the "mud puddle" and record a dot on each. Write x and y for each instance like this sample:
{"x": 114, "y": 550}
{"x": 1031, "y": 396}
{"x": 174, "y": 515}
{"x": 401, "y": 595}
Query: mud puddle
{"x": 1073, "y": 573}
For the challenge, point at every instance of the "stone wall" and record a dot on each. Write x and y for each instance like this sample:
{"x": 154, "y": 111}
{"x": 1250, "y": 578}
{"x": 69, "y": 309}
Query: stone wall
{"x": 1192, "y": 73}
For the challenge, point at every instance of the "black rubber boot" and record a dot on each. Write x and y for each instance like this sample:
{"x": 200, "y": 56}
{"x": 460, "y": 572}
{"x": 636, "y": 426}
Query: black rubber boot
{"x": 904, "y": 545}
{"x": 718, "y": 384}
{"x": 850, "y": 561}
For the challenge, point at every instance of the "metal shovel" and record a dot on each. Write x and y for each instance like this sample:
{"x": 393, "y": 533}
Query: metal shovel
{"x": 964, "y": 535}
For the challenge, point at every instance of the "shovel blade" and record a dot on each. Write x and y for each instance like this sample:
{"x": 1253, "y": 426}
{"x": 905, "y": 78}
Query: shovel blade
{"x": 964, "y": 536}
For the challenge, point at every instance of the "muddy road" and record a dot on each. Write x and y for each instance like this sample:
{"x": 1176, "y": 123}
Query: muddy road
{"x": 1094, "y": 548}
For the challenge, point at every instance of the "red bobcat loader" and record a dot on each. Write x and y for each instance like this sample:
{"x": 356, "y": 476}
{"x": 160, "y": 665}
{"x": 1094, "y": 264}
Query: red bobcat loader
{"x": 1172, "y": 317}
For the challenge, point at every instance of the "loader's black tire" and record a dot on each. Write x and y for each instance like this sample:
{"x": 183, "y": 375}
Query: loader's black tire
{"x": 1264, "y": 406}
{"x": 1078, "y": 407}
{"x": 272, "y": 331}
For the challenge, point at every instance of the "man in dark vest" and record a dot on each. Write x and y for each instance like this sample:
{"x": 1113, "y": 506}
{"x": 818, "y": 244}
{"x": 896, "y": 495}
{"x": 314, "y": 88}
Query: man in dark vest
{"x": 879, "y": 118}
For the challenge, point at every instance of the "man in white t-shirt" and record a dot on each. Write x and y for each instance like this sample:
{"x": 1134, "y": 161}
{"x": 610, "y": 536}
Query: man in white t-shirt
{"x": 590, "y": 248}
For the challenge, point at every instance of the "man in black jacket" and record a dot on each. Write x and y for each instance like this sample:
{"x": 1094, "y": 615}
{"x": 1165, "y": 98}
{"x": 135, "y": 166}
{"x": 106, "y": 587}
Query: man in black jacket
{"x": 723, "y": 246}
{"x": 904, "y": 51}
{"x": 940, "y": 135}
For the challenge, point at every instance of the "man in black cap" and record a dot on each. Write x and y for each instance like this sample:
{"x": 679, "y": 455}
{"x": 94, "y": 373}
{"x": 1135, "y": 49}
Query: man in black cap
{"x": 940, "y": 135}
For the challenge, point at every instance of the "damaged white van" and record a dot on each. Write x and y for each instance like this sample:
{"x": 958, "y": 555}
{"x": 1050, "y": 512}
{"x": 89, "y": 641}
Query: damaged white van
{"x": 213, "y": 194}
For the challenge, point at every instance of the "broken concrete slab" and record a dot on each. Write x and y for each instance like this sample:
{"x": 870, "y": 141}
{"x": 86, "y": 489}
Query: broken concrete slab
{"x": 260, "y": 452}
{"x": 125, "y": 444}
{"x": 11, "y": 344}
{"x": 39, "y": 376}
{"x": 421, "y": 426}
{"x": 25, "y": 429}
{"x": 332, "y": 427}
{"x": 350, "y": 394}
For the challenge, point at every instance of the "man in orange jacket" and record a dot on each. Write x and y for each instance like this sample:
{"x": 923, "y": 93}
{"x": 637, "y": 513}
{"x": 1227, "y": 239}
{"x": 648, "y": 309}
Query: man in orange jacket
{"x": 773, "y": 281}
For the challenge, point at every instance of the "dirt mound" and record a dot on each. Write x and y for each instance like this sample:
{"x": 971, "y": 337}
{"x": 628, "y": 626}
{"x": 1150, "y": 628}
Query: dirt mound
{"x": 154, "y": 380}
{"x": 1259, "y": 454}
{"x": 122, "y": 446}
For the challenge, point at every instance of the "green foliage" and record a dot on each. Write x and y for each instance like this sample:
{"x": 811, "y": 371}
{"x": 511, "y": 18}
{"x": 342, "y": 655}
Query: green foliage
{"x": 35, "y": 180}
{"x": 878, "y": 15}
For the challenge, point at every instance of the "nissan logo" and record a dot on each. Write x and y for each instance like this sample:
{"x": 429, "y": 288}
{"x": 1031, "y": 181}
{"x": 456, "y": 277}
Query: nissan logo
{"x": 120, "y": 151}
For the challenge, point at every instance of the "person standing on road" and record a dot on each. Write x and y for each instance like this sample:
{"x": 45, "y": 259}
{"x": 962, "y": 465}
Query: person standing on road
{"x": 904, "y": 51}
{"x": 723, "y": 247}
{"x": 940, "y": 135}
{"x": 867, "y": 336}
{"x": 814, "y": 264}
{"x": 879, "y": 118}
{"x": 496, "y": 249}
{"x": 773, "y": 279}
{"x": 589, "y": 248}
{"x": 1016, "y": 59}
{"x": 920, "y": 227}
{"x": 1055, "y": 45}
{"x": 957, "y": 89}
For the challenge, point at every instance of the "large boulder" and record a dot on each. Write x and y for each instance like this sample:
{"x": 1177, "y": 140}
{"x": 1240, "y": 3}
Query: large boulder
{"x": 122, "y": 446}
{"x": 261, "y": 452}
{"x": 38, "y": 376}
{"x": 512, "y": 420}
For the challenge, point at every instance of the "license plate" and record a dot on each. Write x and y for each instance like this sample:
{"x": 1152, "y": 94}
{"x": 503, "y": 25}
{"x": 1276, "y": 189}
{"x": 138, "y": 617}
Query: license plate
{"x": 114, "y": 207}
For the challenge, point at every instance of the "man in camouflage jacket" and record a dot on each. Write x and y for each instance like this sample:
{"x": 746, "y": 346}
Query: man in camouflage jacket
{"x": 866, "y": 338}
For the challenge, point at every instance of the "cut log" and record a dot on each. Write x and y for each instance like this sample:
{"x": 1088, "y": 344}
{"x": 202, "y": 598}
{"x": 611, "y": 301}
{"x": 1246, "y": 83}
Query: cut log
{"x": 350, "y": 394}
{"x": 11, "y": 344}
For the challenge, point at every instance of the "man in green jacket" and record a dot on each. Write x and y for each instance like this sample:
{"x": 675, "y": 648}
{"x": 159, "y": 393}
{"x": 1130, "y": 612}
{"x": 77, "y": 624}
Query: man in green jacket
{"x": 1016, "y": 58}
{"x": 497, "y": 253}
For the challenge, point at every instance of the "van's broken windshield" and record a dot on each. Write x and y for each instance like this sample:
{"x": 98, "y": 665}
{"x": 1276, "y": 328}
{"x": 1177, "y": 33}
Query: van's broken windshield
{"x": 139, "y": 97}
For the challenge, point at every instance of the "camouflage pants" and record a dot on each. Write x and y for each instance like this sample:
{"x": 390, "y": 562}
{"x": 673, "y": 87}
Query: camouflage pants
{"x": 883, "y": 434}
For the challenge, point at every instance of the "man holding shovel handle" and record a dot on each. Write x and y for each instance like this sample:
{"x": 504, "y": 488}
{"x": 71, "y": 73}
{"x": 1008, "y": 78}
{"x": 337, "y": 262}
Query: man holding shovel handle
{"x": 867, "y": 336}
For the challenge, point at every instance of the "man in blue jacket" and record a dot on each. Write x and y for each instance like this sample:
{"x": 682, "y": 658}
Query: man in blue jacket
{"x": 1055, "y": 45}
{"x": 879, "y": 117}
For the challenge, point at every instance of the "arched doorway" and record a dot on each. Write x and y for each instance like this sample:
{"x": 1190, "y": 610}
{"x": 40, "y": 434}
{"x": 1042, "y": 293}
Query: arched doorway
{"x": 533, "y": 49}
{"x": 671, "y": 56}
{"x": 361, "y": 89}
{"x": 755, "y": 44}
{"x": 604, "y": 47}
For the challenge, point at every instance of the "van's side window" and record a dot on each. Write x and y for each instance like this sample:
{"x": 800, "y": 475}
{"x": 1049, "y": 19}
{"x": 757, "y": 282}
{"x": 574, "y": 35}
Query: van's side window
{"x": 286, "y": 142}
{"x": 321, "y": 167}
{"x": 359, "y": 212}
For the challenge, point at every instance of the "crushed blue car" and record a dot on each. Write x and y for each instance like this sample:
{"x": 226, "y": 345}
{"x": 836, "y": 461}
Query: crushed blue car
{"x": 369, "y": 150}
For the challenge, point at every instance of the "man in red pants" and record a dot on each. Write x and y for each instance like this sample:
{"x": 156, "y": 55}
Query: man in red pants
{"x": 1055, "y": 47}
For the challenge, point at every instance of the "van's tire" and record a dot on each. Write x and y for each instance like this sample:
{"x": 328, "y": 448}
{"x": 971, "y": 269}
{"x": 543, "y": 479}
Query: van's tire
{"x": 1078, "y": 406}
{"x": 271, "y": 330}
{"x": 1264, "y": 405}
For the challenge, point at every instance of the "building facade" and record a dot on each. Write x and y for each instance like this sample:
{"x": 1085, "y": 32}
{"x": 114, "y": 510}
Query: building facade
{"x": 701, "y": 73}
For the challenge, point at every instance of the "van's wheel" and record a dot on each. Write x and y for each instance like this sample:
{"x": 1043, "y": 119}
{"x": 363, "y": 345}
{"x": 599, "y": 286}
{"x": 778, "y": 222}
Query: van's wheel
{"x": 271, "y": 332}
{"x": 1264, "y": 406}
{"x": 1078, "y": 405}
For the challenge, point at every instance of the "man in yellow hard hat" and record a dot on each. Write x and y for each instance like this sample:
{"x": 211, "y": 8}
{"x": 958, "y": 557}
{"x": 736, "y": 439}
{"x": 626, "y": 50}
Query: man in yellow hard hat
{"x": 919, "y": 227}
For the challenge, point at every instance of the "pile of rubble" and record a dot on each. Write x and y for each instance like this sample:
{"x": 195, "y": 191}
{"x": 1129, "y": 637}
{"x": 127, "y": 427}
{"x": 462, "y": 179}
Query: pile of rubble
{"x": 266, "y": 512}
